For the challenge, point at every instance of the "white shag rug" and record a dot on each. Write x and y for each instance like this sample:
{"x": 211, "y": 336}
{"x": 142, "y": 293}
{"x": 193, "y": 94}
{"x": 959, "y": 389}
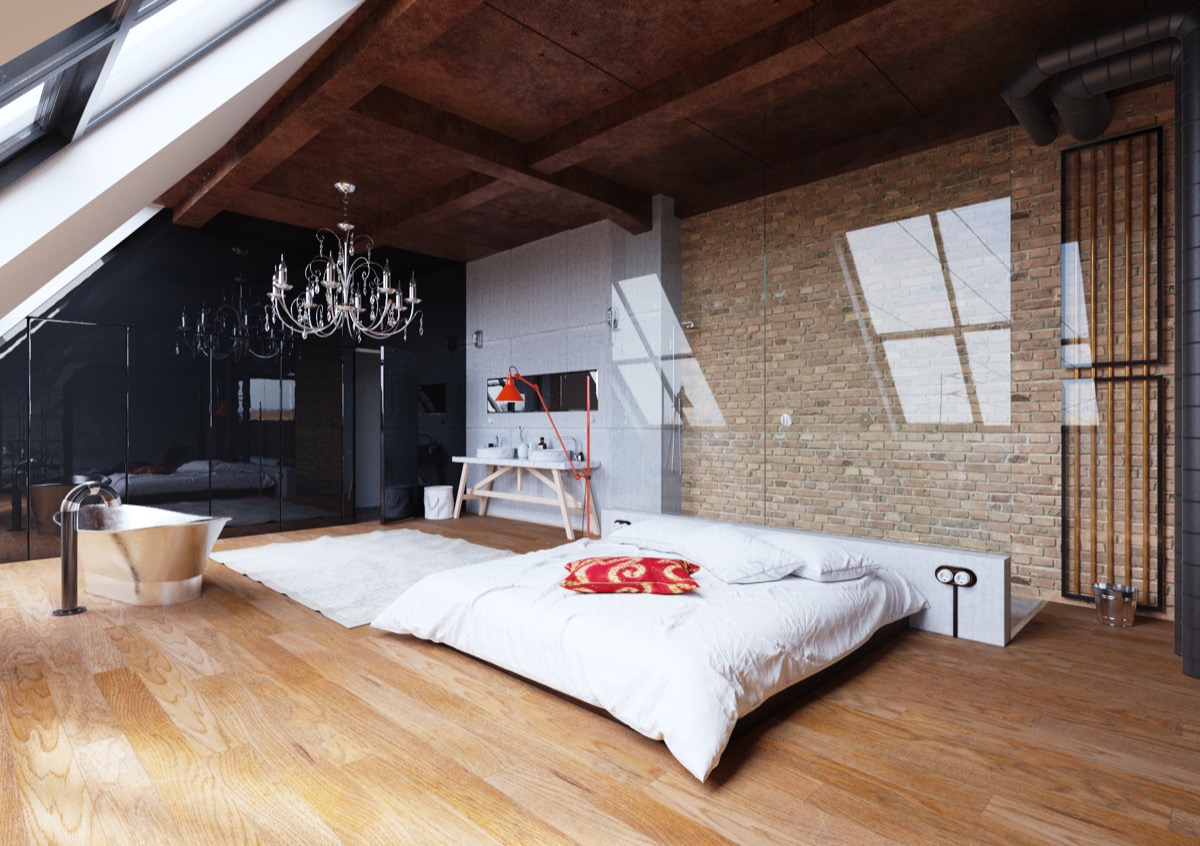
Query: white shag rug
{"x": 351, "y": 579}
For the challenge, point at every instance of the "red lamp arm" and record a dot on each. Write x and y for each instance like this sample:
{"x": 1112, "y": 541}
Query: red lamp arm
{"x": 549, "y": 417}
{"x": 586, "y": 473}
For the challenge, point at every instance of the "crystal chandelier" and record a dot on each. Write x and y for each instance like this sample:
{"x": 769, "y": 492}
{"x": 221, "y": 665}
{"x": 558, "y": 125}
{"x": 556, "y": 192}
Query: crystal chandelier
{"x": 344, "y": 289}
{"x": 232, "y": 329}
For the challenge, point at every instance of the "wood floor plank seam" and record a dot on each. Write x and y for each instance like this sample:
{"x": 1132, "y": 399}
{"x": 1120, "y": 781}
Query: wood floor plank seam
{"x": 242, "y": 717}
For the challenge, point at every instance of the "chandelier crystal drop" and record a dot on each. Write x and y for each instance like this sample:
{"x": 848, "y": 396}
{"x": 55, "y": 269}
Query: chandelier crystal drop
{"x": 345, "y": 289}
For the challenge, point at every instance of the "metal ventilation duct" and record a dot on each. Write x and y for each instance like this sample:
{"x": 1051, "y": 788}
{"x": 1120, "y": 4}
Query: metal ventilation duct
{"x": 1084, "y": 71}
{"x": 1090, "y": 67}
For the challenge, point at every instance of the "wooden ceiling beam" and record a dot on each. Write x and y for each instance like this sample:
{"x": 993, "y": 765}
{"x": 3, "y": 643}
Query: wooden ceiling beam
{"x": 496, "y": 155}
{"x": 771, "y": 54}
{"x": 358, "y": 64}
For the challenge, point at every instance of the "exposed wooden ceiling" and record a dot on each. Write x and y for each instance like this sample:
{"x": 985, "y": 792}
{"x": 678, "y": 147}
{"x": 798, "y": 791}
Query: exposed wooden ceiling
{"x": 473, "y": 127}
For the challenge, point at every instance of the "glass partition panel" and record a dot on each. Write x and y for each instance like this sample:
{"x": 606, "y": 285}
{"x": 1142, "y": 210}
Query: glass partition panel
{"x": 402, "y": 495}
{"x": 312, "y": 441}
{"x": 14, "y": 446}
{"x": 257, "y": 440}
{"x": 78, "y": 416}
{"x": 271, "y": 430}
{"x": 245, "y": 472}
{"x": 168, "y": 424}
{"x": 888, "y": 404}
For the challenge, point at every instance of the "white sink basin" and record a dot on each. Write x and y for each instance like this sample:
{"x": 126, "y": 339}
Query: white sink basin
{"x": 546, "y": 456}
{"x": 495, "y": 452}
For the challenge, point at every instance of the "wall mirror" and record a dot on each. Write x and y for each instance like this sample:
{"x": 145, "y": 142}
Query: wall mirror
{"x": 562, "y": 392}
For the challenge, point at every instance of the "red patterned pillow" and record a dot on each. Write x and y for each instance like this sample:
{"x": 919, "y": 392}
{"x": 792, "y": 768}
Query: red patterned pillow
{"x": 631, "y": 575}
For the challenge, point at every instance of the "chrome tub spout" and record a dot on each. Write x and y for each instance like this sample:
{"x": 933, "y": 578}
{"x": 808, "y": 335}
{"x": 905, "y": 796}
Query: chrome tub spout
{"x": 69, "y": 534}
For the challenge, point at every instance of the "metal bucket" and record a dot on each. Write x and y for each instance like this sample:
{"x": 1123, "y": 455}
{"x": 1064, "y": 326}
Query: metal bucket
{"x": 1115, "y": 604}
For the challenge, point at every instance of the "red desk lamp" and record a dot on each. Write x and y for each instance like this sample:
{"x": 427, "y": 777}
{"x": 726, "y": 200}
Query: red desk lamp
{"x": 510, "y": 393}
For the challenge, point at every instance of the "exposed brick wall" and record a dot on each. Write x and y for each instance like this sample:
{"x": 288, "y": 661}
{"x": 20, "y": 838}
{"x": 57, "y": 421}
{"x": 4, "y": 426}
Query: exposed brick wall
{"x": 773, "y": 290}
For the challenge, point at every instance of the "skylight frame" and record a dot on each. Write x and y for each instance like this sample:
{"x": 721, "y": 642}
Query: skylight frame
{"x": 30, "y": 118}
{"x": 146, "y": 10}
{"x": 72, "y": 66}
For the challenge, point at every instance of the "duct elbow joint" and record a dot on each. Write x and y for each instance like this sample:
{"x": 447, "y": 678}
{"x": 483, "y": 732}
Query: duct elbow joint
{"x": 1083, "y": 119}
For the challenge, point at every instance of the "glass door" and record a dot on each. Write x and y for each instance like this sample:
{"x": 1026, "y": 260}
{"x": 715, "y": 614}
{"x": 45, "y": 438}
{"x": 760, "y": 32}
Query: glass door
{"x": 401, "y": 495}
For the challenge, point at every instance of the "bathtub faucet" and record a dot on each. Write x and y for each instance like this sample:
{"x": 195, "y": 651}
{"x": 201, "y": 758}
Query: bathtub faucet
{"x": 68, "y": 515}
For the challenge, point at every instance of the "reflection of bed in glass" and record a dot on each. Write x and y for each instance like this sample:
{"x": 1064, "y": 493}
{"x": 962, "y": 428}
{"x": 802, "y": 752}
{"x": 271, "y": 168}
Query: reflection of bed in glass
{"x": 249, "y": 493}
{"x": 192, "y": 480}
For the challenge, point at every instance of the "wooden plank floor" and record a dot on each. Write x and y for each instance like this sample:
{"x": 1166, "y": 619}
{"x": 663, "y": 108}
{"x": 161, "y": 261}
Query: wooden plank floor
{"x": 243, "y": 717}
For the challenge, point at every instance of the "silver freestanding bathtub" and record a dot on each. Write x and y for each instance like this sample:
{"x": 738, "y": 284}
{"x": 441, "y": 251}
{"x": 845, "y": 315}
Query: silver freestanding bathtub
{"x": 142, "y": 555}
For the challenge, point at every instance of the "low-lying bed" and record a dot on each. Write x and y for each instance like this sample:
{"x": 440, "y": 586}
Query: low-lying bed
{"x": 195, "y": 480}
{"x": 769, "y": 609}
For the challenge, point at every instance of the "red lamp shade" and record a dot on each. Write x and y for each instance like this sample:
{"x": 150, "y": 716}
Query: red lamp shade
{"x": 509, "y": 392}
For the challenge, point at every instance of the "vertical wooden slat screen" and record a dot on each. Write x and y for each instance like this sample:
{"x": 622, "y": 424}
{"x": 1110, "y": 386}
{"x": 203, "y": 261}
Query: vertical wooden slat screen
{"x": 1113, "y": 473}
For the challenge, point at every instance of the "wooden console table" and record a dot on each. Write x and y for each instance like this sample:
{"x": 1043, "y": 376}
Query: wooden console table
{"x": 549, "y": 473}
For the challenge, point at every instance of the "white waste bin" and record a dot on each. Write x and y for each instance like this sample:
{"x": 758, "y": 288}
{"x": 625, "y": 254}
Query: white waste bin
{"x": 439, "y": 502}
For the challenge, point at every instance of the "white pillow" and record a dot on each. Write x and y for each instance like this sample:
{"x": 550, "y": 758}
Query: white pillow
{"x": 820, "y": 559}
{"x": 200, "y": 466}
{"x": 731, "y": 554}
{"x": 661, "y": 534}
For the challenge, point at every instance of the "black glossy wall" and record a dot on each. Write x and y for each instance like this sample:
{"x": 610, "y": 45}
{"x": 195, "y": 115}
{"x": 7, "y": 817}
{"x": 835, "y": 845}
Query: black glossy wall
{"x": 105, "y": 384}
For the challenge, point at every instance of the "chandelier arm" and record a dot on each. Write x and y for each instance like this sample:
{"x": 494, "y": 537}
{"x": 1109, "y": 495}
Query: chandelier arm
{"x": 228, "y": 331}
{"x": 390, "y": 320}
{"x": 293, "y": 322}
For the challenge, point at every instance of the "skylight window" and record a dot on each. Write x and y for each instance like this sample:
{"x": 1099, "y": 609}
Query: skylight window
{"x": 160, "y": 43}
{"x": 18, "y": 118}
{"x": 81, "y": 76}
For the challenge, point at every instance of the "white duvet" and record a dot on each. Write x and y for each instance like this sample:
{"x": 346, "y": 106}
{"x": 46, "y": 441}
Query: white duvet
{"x": 681, "y": 668}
